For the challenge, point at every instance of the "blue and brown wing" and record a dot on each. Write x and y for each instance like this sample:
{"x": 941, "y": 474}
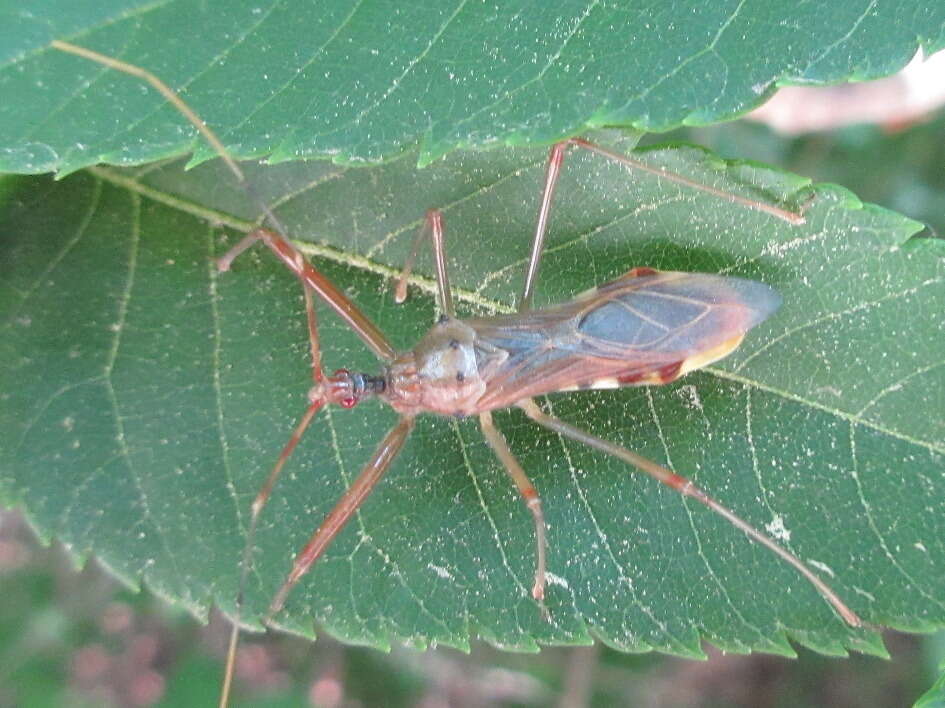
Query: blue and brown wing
{"x": 647, "y": 327}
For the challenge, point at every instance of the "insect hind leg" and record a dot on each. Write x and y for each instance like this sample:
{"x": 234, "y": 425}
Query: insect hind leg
{"x": 688, "y": 488}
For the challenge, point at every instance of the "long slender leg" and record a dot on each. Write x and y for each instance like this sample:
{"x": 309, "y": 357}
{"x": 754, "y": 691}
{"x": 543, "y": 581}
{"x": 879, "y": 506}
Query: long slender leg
{"x": 344, "y": 509}
{"x": 433, "y": 222}
{"x": 439, "y": 257}
{"x": 318, "y": 375}
{"x": 686, "y": 487}
{"x": 262, "y": 496}
{"x": 552, "y": 172}
{"x": 400, "y": 289}
{"x": 783, "y": 214}
{"x": 319, "y": 284}
{"x": 501, "y": 448}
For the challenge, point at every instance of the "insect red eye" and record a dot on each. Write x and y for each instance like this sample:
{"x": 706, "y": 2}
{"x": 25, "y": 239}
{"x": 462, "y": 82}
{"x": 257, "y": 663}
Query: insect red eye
{"x": 348, "y": 402}
{"x": 341, "y": 372}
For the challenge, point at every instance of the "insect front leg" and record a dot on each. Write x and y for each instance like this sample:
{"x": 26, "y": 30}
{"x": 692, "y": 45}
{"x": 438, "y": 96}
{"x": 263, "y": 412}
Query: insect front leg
{"x": 687, "y": 488}
{"x": 316, "y": 283}
{"x": 345, "y": 507}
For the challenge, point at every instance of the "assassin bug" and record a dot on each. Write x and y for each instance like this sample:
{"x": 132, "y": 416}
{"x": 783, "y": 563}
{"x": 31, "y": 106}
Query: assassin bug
{"x": 646, "y": 327}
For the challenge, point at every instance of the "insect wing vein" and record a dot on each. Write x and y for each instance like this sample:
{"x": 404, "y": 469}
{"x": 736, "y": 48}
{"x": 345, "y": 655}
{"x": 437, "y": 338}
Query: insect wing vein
{"x": 631, "y": 331}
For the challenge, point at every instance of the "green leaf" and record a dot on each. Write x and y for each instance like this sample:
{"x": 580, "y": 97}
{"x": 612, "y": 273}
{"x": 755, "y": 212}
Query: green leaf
{"x": 364, "y": 81}
{"x": 146, "y": 396}
{"x": 935, "y": 696}
{"x": 934, "y": 655}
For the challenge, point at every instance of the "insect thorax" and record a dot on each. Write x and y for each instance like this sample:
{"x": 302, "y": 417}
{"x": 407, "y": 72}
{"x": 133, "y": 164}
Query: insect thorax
{"x": 443, "y": 374}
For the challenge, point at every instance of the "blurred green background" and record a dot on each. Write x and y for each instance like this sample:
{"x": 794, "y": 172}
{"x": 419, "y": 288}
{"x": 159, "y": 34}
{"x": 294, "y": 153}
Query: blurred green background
{"x": 72, "y": 638}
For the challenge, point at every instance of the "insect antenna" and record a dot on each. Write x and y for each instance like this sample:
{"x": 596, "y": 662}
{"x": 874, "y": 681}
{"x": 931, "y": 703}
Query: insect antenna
{"x": 175, "y": 100}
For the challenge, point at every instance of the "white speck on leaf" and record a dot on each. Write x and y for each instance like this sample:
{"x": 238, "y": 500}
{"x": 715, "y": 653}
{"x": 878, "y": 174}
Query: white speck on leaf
{"x": 553, "y": 579}
{"x": 690, "y": 396}
{"x": 823, "y": 567}
{"x": 776, "y": 528}
{"x": 441, "y": 571}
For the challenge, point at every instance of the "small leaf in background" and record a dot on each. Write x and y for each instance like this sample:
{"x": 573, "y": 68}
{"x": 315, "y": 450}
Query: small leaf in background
{"x": 934, "y": 646}
{"x": 935, "y": 696}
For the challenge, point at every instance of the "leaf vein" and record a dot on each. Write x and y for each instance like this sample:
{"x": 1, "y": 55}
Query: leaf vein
{"x": 119, "y": 328}
{"x": 57, "y": 258}
{"x": 605, "y": 542}
{"x": 692, "y": 524}
{"x": 874, "y": 527}
{"x": 552, "y": 60}
{"x": 216, "y": 367}
{"x": 308, "y": 62}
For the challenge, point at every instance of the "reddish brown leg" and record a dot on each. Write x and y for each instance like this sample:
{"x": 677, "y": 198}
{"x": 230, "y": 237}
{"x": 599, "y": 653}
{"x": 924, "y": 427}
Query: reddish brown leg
{"x": 344, "y": 509}
{"x": 501, "y": 448}
{"x": 319, "y": 284}
{"x": 783, "y": 214}
{"x": 432, "y": 223}
{"x": 317, "y": 374}
{"x": 687, "y": 488}
{"x": 258, "y": 503}
{"x": 553, "y": 171}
